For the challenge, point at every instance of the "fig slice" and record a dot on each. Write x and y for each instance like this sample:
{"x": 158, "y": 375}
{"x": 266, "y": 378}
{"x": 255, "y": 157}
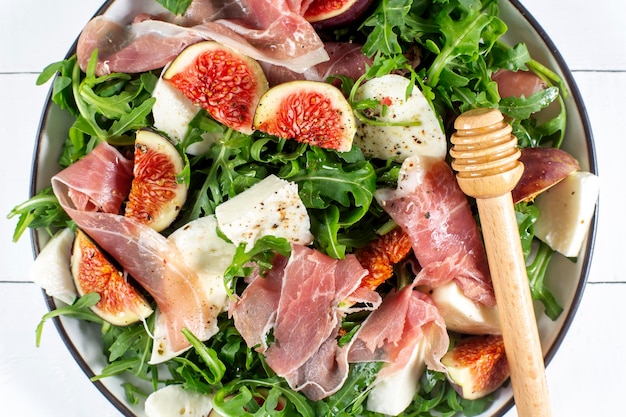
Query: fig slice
{"x": 325, "y": 14}
{"x": 543, "y": 168}
{"x": 156, "y": 196}
{"x": 477, "y": 365}
{"x": 120, "y": 303}
{"x": 227, "y": 84}
{"x": 310, "y": 112}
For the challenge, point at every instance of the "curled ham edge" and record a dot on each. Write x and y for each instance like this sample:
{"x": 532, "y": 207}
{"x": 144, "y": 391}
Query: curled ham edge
{"x": 153, "y": 261}
{"x": 300, "y": 50}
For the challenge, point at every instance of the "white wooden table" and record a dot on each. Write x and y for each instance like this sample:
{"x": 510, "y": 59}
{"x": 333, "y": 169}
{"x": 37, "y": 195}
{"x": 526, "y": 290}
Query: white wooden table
{"x": 586, "y": 378}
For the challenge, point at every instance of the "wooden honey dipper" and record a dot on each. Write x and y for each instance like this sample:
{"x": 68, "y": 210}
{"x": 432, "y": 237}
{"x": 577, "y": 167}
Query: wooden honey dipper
{"x": 486, "y": 160}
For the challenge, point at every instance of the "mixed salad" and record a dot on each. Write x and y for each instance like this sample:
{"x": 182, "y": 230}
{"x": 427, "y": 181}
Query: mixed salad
{"x": 448, "y": 52}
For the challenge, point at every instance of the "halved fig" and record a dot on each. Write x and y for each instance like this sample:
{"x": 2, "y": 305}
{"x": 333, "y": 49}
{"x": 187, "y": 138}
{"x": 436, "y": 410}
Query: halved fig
{"x": 225, "y": 83}
{"x": 325, "y": 14}
{"x": 476, "y": 366}
{"x": 156, "y": 196}
{"x": 311, "y": 112}
{"x": 543, "y": 168}
{"x": 120, "y": 303}
{"x": 517, "y": 83}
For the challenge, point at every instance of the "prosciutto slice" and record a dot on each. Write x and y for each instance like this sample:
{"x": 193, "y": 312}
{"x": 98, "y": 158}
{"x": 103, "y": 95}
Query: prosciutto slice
{"x": 153, "y": 261}
{"x": 431, "y": 208}
{"x": 269, "y": 31}
{"x": 301, "y": 300}
{"x": 404, "y": 319}
{"x": 345, "y": 58}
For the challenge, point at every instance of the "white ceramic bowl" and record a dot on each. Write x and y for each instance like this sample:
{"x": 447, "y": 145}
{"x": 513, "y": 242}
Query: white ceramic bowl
{"x": 567, "y": 279}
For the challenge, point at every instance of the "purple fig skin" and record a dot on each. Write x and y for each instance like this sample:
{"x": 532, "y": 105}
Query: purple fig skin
{"x": 353, "y": 13}
{"x": 543, "y": 168}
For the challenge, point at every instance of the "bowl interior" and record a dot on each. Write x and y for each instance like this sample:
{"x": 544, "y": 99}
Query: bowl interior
{"x": 565, "y": 277}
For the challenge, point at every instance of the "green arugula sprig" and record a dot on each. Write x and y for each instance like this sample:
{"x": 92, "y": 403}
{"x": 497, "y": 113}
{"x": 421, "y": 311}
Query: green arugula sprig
{"x": 261, "y": 398}
{"x": 259, "y": 256}
{"x": 107, "y": 108}
{"x": 42, "y": 211}
{"x": 178, "y": 7}
{"x": 537, "y": 260}
{"x": 80, "y": 309}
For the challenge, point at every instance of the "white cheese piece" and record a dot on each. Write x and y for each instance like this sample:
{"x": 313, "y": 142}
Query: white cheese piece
{"x": 209, "y": 255}
{"x": 565, "y": 212}
{"x": 173, "y": 112}
{"x": 271, "y": 207}
{"x": 393, "y": 394}
{"x": 51, "y": 270}
{"x": 399, "y": 142}
{"x": 174, "y": 401}
{"x": 462, "y": 314}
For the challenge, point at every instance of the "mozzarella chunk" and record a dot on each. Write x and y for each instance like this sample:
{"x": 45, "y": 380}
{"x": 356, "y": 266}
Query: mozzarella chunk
{"x": 462, "y": 314}
{"x": 51, "y": 270}
{"x": 393, "y": 394}
{"x": 271, "y": 207}
{"x": 173, "y": 400}
{"x": 173, "y": 112}
{"x": 399, "y": 142}
{"x": 565, "y": 212}
{"x": 209, "y": 255}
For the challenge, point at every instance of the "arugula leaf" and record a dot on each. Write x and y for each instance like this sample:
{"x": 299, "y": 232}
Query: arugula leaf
{"x": 42, "y": 211}
{"x": 512, "y": 59}
{"x": 242, "y": 397}
{"x": 466, "y": 38}
{"x": 128, "y": 349}
{"x": 260, "y": 255}
{"x": 62, "y": 84}
{"x": 178, "y": 7}
{"x": 348, "y": 401}
{"x": 537, "y": 263}
{"x": 327, "y": 181}
{"x": 389, "y": 20}
{"x": 80, "y": 309}
{"x": 208, "y": 356}
{"x": 325, "y": 226}
{"x": 522, "y": 107}
{"x": 538, "y": 289}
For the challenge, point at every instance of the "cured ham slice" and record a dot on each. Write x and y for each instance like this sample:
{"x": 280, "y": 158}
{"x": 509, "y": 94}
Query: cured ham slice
{"x": 345, "y": 59}
{"x": 391, "y": 332}
{"x": 407, "y": 333}
{"x": 153, "y": 261}
{"x": 265, "y": 30}
{"x": 115, "y": 174}
{"x": 301, "y": 300}
{"x": 431, "y": 208}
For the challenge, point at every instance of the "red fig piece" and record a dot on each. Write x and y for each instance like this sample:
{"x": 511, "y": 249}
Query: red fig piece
{"x": 311, "y": 112}
{"x": 543, "y": 167}
{"x": 225, "y": 83}
{"x": 325, "y": 14}
{"x": 120, "y": 304}
{"x": 477, "y": 366}
{"x": 156, "y": 196}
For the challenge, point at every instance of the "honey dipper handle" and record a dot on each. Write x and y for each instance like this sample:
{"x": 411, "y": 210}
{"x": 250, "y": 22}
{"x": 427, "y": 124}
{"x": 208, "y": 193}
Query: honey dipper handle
{"x": 486, "y": 160}
{"x": 512, "y": 291}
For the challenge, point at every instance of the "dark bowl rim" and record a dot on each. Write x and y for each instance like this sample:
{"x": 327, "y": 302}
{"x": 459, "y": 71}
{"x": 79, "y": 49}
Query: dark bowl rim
{"x": 593, "y": 168}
